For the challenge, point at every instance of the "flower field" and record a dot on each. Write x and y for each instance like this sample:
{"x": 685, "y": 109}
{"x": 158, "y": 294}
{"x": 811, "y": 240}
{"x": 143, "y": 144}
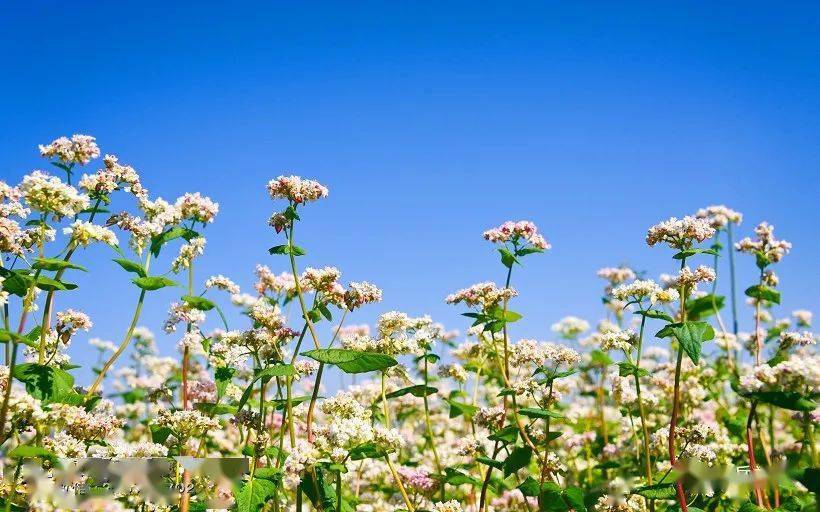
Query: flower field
{"x": 662, "y": 405}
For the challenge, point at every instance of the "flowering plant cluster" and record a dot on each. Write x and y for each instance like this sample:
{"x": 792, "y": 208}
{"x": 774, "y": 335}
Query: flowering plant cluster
{"x": 663, "y": 405}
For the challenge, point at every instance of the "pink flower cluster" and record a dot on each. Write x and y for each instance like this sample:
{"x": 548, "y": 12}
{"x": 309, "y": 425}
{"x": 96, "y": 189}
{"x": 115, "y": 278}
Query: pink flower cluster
{"x": 516, "y": 231}
{"x": 295, "y": 189}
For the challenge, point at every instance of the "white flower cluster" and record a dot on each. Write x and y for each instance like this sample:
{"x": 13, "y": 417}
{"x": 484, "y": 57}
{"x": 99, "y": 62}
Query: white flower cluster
{"x": 616, "y": 275}
{"x": 296, "y": 190}
{"x": 186, "y": 424}
{"x": 49, "y": 195}
{"x": 719, "y": 216}
{"x": 799, "y": 373}
{"x": 570, "y": 326}
{"x": 82, "y": 233}
{"x": 516, "y": 232}
{"x": 688, "y": 278}
{"x": 187, "y": 252}
{"x": 765, "y": 245}
{"x": 79, "y": 149}
{"x": 485, "y": 295}
{"x": 110, "y": 178}
{"x": 221, "y": 282}
{"x": 619, "y": 340}
{"x": 197, "y": 207}
{"x": 641, "y": 289}
{"x": 680, "y": 233}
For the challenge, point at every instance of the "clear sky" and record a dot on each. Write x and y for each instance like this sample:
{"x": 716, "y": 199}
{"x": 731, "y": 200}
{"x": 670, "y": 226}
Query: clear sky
{"x": 430, "y": 122}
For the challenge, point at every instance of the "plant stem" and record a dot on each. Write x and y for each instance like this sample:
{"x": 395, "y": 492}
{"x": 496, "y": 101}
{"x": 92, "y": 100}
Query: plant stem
{"x": 673, "y": 424}
{"x": 430, "y": 426}
{"x": 387, "y": 455}
{"x": 732, "y": 278}
{"x": 641, "y": 409}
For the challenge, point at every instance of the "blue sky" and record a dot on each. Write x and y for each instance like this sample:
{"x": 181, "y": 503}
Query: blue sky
{"x": 431, "y": 122}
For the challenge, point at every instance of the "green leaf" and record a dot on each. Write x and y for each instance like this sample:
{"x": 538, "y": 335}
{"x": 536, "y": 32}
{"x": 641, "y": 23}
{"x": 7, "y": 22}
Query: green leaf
{"x": 456, "y": 477}
{"x": 691, "y": 336}
{"x": 763, "y": 292}
{"x": 550, "y": 499}
{"x": 287, "y": 249}
{"x": 705, "y": 306}
{"x": 507, "y": 258}
{"x": 574, "y": 497}
{"x": 691, "y": 252}
{"x": 459, "y": 408}
{"x": 254, "y": 494}
{"x": 534, "y": 412}
{"x": 497, "y": 464}
{"x": 656, "y": 491}
{"x": 277, "y": 370}
{"x": 45, "y": 383}
{"x": 518, "y": 458}
{"x": 512, "y": 316}
{"x": 150, "y": 283}
{"x": 325, "y": 312}
{"x": 176, "y": 232}
{"x": 30, "y": 452}
{"x": 660, "y": 315}
{"x": 17, "y": 282}
{"x": 214, "y": 409}
{"x": 790, "y": 400}
{"x": 530, "y": 487}
{"x": 352, "y": 361}
{"x": 599, "y": 358}
{"x": 419, "y": 390}
{"x": 48, "y": 284}
{"x": 625, "y": 369}
{"x": 200, "y": 303}
{"x": 131, "y": 266}
{"x": 55, "y": 264}
{"x": 367, "y": 451}
{"x": 506, "y": 435}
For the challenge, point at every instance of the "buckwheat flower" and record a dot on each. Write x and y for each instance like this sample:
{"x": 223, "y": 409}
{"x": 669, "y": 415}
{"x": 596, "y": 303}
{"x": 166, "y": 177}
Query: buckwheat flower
{"x": 305, "y": 368}
{"x": 560, "y": 355}
{"x": 447, "y": 506}
{"x": 160, "y": 212}
{"x": 228, "y": 351}
{"x": 79, "y": 149}
{"x": 112, "y": 177}
{"x": 49, "y": 195}
{"x": 490, "y": 417}
{"x": 619, "y": 340}
{"x": 803, "y": 317}
{"x": 83, "y": 233}
{"x": 388, "y": 439}
{"x": 9, "y": 236}
{"x": 282, "y": 284}
{"x": 64, "y": 445}
{"x": 267, "y": 315}
{"x": 184, "y": 313}
{"x": 454, "y": 371}
{"x": 141, "y": 231}
{"x": 417, "y": 479}
{"x": 102, "y": 345}
{"x": 197, "y": 207}
{"x": 245, "y": 300}
{"x": 485, "y": 295}
{"x": 82, "y": 424}
{"x": 616, "y": 275}
{"x": 301, "y": 457}
{"x": 295, "y": 189}
{"x": 470, "y": 446}
{"x": 320, "y": 279}
{"x": 347, "y": 331}
{"x": 515, "y": 232}
{"x": 192, "y": 341}
{"x": 689, "y": 278}
{"x": 636, "y": 290}
{"x": 769, "y": 278}
{"x": 680, "y": 233}
{"x": 195, "y": 247}
{"x": 794, "y": 338}
{"x": 719, "y": 216}
{"x": 33, "y": 238}
{"x": 570, "y": 327}
{"x": 726, "y": 340}
{"x": 359, "y": 294}
{"x": 765, "y": 246}
{"x": 71, "y": 321}
{"x": 186, "y": 424}
{"x": 221, "y": 282}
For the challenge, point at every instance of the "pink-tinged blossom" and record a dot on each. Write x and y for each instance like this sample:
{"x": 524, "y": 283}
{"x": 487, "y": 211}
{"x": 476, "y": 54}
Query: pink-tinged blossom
{"x": 515, "y": 232}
